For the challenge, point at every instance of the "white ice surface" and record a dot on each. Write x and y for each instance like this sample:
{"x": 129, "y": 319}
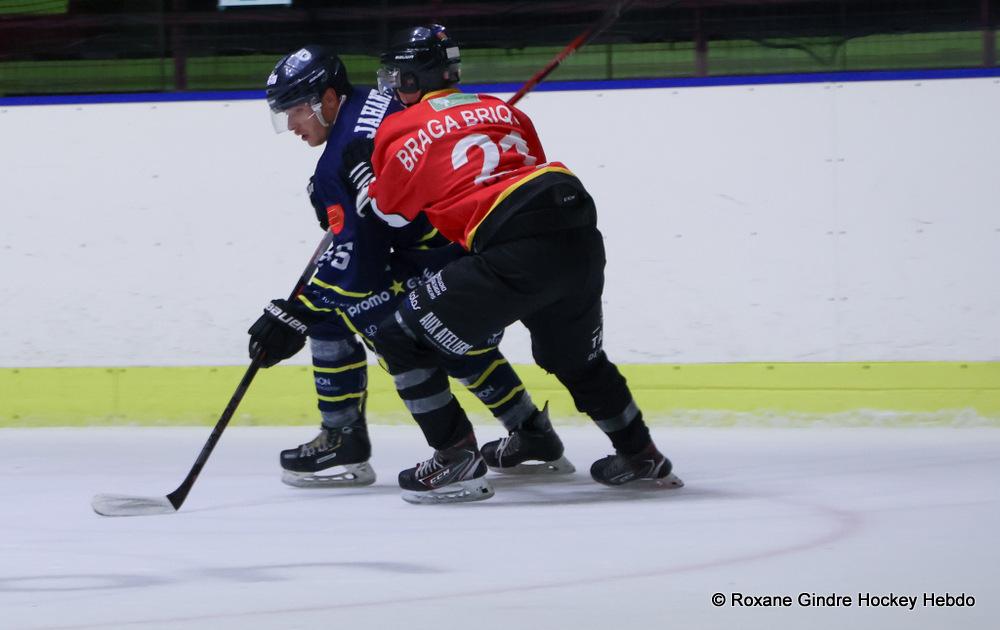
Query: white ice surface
{"x": 765, "y": 512}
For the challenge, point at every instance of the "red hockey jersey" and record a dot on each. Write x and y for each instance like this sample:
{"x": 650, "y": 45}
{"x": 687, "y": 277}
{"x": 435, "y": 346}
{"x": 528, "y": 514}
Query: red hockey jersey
{"x": 454, "y": 157}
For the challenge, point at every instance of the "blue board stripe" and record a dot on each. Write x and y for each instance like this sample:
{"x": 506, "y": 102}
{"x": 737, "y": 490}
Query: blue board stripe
{"x": 550, "y": 86}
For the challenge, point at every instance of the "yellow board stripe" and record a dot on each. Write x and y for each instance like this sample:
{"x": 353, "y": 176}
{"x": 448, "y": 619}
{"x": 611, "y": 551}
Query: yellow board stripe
{"x": 486, "y": 373}
{"x": 716, "y": 395}
{"x": 343, "y": 368}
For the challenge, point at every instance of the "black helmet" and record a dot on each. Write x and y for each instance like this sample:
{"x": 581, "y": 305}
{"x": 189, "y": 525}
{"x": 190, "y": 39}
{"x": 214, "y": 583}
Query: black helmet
{"x": 302, "y": 77}
{"x": 420, "y": 59}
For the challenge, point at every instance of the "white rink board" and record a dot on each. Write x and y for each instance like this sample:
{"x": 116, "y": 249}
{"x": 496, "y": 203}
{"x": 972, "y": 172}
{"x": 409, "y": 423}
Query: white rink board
{"x": 764, "y": 512}
{"x": 815, "y": 222}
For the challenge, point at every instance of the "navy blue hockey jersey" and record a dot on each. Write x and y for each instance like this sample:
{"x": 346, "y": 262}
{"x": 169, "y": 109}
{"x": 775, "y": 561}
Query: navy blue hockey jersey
{"x": 369, "y": 265}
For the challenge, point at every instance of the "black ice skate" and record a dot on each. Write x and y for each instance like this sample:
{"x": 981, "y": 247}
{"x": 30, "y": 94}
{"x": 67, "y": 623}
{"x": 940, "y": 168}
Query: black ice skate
{"x": 649, "y": 465}
{"x": 455, "y": 474}
{"x": 538, "y": 444}
{"x": 335, "y": 458}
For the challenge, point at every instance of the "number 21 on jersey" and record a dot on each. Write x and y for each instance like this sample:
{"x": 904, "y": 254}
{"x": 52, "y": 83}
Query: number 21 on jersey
{"x": 492, "y": 152}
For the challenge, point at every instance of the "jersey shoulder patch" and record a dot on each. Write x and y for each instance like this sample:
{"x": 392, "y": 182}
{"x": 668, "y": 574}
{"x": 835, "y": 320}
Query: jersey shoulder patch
{"x": 448, "y": 101}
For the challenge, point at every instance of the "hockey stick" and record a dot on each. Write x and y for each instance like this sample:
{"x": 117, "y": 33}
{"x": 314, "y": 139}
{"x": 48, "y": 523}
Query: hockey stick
{"x": 125, "y": 505}
{"x": 607, "y": 19}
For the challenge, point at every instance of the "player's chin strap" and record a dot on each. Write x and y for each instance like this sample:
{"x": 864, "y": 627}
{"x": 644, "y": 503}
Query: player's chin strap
{"x": 318, "y": 110}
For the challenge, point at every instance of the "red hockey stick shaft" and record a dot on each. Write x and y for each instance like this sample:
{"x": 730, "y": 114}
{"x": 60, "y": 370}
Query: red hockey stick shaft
{"x": 608, "y": 18}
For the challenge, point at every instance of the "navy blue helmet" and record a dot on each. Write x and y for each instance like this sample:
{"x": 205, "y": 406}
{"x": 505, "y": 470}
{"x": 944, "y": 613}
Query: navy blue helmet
{"x": 302, "y": 77}
{"x": 420, "y": 59}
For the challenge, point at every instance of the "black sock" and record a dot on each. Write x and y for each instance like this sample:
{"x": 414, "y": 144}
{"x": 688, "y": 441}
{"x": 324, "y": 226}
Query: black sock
{"x": 444, "y": 427}
{"x": 632, "y": 439}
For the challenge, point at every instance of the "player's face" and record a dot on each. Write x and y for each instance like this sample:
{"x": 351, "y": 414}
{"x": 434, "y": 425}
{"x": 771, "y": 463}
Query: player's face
{"x": 303, "y": 121}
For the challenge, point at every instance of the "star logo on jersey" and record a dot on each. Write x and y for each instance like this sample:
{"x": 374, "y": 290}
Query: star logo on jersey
{"x": 397, "y": 287}
{"x": 335, "y": 215}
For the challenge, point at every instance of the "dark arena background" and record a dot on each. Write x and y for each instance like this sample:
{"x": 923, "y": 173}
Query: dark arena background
{"x": 96, "y": 46}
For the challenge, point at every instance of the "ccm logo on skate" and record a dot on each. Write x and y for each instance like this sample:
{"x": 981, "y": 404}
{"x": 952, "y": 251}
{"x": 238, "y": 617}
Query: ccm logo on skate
{"x": 285, "y": 318}
{"x": 438, "y": 477}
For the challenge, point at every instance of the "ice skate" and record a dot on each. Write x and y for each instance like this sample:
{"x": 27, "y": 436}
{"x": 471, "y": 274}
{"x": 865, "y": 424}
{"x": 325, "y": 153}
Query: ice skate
{"x": 453, "y": 475}
{"x": 335, "y": 458}
{"x": 529, "y": 451}
{"x": 649, "y": 467}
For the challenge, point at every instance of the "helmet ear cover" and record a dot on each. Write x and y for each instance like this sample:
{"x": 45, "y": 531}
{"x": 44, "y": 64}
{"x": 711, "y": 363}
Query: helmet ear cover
{"x": 421, "y": 59}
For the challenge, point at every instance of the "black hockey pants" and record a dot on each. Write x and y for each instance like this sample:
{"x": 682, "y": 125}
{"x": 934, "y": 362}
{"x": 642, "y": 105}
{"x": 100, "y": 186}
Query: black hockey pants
{"x": 544, "y": 267}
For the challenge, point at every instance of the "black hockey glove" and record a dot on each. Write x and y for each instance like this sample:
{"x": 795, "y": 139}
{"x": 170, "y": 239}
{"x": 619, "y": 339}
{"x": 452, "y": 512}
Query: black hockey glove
{"x": 281, "y": 331}
{"x": 357, "y": 170}
{"x": 318, "y": 207}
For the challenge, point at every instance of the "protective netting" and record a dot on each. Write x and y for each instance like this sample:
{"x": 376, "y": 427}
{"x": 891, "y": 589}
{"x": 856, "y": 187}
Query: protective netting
{"x": 95, "y": 46}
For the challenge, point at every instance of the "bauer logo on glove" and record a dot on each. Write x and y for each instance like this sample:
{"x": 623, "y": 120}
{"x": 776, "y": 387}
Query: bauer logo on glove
{"x": 285, "y": 318}
{"x": 281, "y": 331}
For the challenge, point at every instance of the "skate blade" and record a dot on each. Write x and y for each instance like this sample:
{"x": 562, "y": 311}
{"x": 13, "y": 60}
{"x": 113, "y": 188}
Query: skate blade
{"x": 670, "y": 482}
{"x": 348, "y": 476}
{"x": 458, "y": 492}
{"x": 561, "y": 466}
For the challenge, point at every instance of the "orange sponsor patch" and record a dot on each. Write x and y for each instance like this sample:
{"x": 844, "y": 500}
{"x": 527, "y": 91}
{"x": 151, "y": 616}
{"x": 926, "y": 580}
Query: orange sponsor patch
{"x": 335, "y": 215}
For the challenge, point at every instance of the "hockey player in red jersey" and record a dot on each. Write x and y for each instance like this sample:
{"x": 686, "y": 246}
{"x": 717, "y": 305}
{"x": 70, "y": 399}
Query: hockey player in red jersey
{"x": 475, "y": 167}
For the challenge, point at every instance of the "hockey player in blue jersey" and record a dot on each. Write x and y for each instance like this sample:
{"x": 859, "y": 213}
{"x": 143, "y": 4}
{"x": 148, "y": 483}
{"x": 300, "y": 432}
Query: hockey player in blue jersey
{"x": 360, "y": 279}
